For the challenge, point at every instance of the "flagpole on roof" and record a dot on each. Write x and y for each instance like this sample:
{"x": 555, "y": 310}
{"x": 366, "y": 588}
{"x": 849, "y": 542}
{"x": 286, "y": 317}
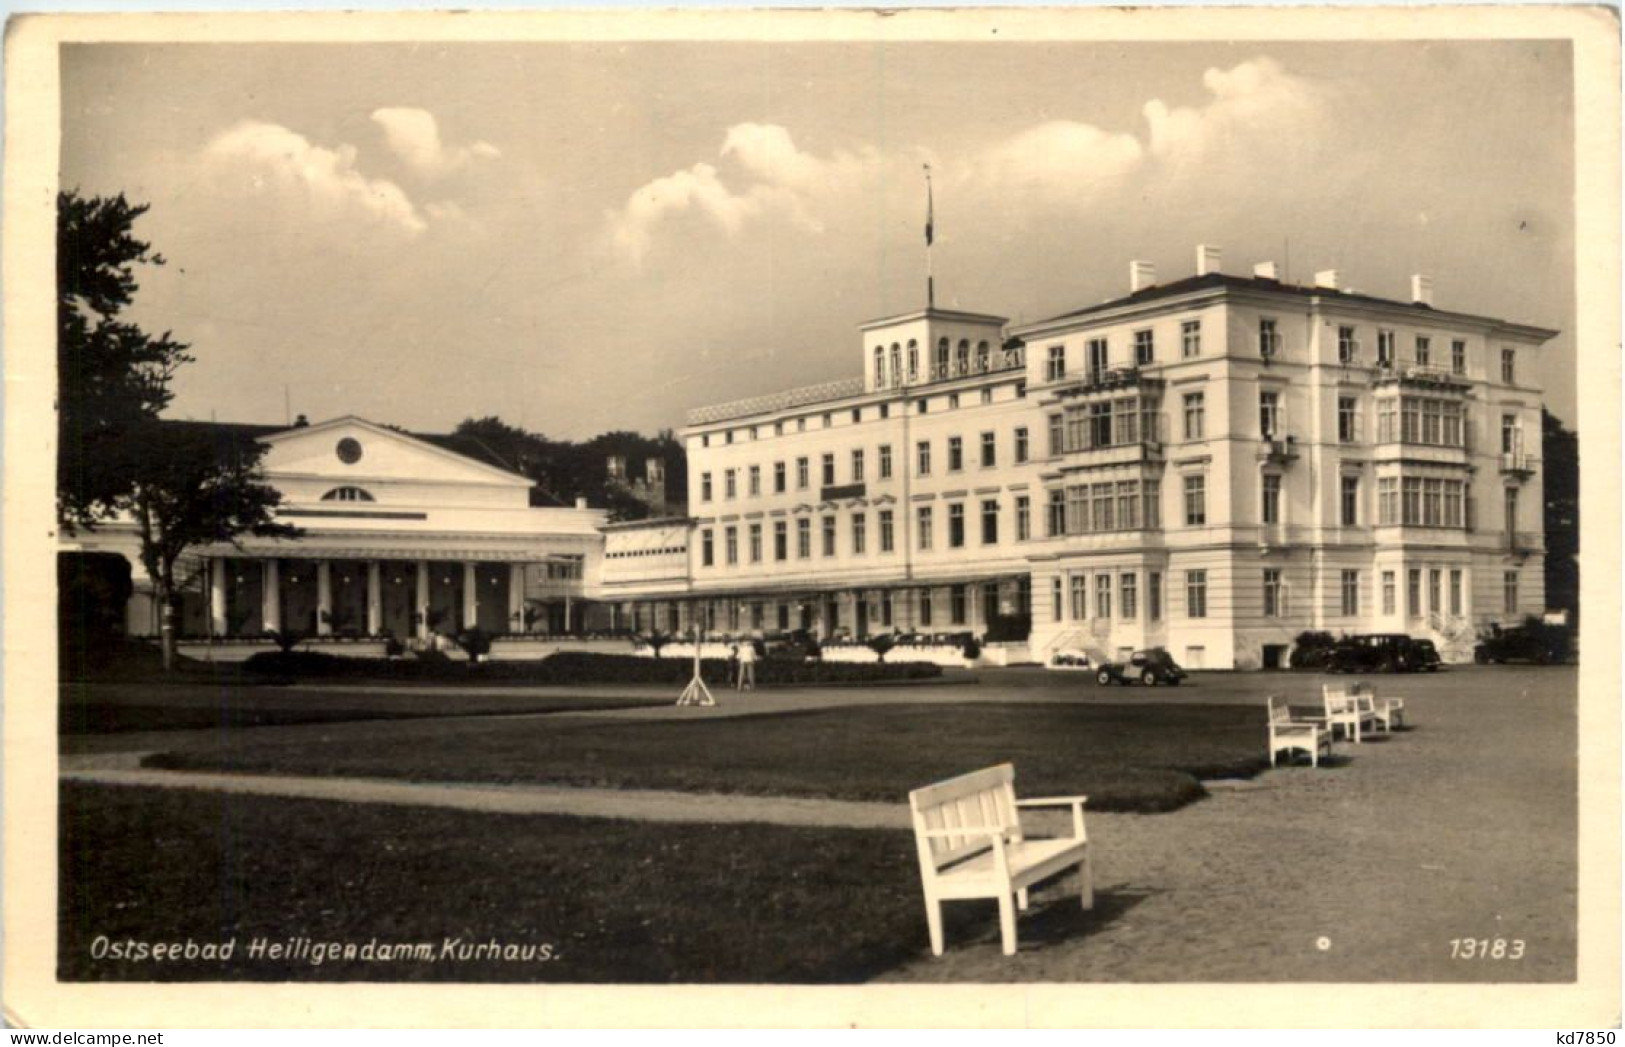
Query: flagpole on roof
{"x": 930, "y": 280}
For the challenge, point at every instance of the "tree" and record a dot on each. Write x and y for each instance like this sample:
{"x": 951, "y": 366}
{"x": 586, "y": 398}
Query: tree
{"x": 112, "y": 376}
{"x": 1560, "y": 462}
{"x": 193, "y": 485}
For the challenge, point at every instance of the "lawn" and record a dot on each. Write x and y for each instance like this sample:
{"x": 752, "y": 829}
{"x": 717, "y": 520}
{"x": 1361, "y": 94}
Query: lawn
{"x": 616, "y": 901}
{"x": 107, "y": 708}
{"x": 1125, "y": 757}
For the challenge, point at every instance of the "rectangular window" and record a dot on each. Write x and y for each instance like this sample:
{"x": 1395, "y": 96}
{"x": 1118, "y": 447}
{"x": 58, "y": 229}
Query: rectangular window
{"x": 1388, "y": 585}
{"x": 1509, "y": 366}
{"x": 1436, "y": 591}
{"x": 1458, "y": 357}
{"x": 1388, "y": 501}
{"x": 956, "y": 526}
{"x": 857, "y": 466}
{"x": 803, "y": 538}
{"x": 956, "y": 604}
{"x": 1351, "y": 593}
{"x": 829, "y": 470}
{"x": 926, "y": 607}
{"x": 887, "y": 541}
{"x": 987, "y": 397}
{"x": 860, "y": 533}
{"x": 1190, "y": 338}
{"x": 1077, "y": 509}
{"x": 1024, "y": 523}
{"x": 1269, "y": 338}
{"x": 1195, "y": 415}
{"x": 1387, "y": 421}
{"x": 707, "y": 549}
{"x": 1103, "y": 596}
{"x": 1413, "y": 593}
{"x": 923, "y": 515}
{"x": 1055, "y": 597}
{"x": 1269, "y": 415}
{"x": 1348, "y": 419}
{"x": 1509, "y": 592}
{"x": 1080, "y": 597}
{"x": 1056, "y": 524}
{"x": 1385, "y": 348}
{"x": 1455, "y": 593}
{"x": 730, "y": 484}
{"x": 1128, "y": 505}
{"x": 1056, "y": 441}
{"x": 1055, "y": 367}
{"x": 1101, "y": 500}
{"x": 1153, "y": 596}
{"x": 1272, "y": 593}
{"x": 1152, "y": 490}
{"x": 1347, "y": 347}
{"x": 803, "y": 477}
{"x": 1272, "y": 499}
{"x": 705, "y": 487}
{"x": 755, "y": 543}
{"x": 956, "y": 454}
{"x": 1195, "y": 501}
{"x": 1196, "y": 594}
{"x": 778, "y": 477}
{"x": 990, "y": 522}
{"x": 781, "y": 540}
{"x": 1021, "y": 444}
{"x": 755, "y": 486}
{"x": 731, "y": 545}
{"x": 1128, "y": 596}
{"x": 885, "y": 461}
{"x": 1144, "y": 348}
{"x": 1098, "y": 358}
{"x": 990, "y": 453}
{"x": 922, "y": 455}
{"x": 1511, "y": 434}
{"x": 1424, "y": 350}
{"x": 1410, "y": 500}
{"x": 827, "y": 535}
{"x": 1349, "y": 499}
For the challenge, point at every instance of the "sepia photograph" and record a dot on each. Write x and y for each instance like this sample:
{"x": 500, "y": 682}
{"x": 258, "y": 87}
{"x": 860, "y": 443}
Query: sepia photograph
{"x": 1011, "y": 503}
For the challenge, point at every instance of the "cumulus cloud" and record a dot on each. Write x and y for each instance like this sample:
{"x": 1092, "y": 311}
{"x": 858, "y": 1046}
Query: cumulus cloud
{"x": 1254, "y": 98}
{"x": 1061, "y": 157}
{"x": 272, "y": 156}
{"x": 414, "y": 136}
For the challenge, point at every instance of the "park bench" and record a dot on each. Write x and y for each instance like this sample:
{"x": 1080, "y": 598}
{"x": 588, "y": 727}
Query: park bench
{"x": 971, "y": 845}
{"x": 1384, "y": 712}
{"x": 1344, "y": 710}
{"x": 1288, "y": 735}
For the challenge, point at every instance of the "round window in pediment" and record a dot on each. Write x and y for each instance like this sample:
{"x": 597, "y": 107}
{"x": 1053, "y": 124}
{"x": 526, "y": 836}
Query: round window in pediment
{"x": 349, "y": 450}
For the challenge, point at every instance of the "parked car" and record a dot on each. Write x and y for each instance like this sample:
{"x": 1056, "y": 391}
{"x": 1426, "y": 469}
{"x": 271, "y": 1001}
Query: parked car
{"x": 1533, "y": 641}
{"x": 1149, "y": 667}
{"x": 796, "y": 646}
{"x": 1384, "y": 652}
{"x": 1072, "y": 658}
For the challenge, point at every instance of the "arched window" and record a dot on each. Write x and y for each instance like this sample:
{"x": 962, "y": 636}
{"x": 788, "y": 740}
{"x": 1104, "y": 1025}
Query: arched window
{"x": 896, "y": 364}
{"x": 942, "y": 359}
{"x": 981, "y": 356}
{"x": 880, "y": 366}
{"x": 347, "y": 494}
{"x": 962, "y": 357}
{"x": 913, "y": 361}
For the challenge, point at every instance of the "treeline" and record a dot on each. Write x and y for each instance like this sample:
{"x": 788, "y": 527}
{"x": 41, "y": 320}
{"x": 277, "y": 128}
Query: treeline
{"x": 565, "y": 470}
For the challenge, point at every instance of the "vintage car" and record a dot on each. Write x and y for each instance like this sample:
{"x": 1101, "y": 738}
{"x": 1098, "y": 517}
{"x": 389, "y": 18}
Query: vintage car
{"x": 1072, "y": 658}
{"x": 1149, "y": 667}
{"x": 1384, "y": 652}
{"x": 1533, "y": 641}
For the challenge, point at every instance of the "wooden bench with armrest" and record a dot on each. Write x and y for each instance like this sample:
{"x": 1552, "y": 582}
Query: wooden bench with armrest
{"x": 971, "y": 845}
{"x": 1288, "y": 735}
{"x": 1343, "y": 709}
{"x": 1386, "y": 713}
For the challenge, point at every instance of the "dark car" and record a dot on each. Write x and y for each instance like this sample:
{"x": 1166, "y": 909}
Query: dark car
{"x": 1149, "y": 667}
{"x": 1384, "y": 652}
{"x": 796, "y": 646}
{"x": 1534, "y": 642}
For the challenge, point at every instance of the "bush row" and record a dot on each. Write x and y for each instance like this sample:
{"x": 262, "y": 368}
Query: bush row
{"x": 573, "y": 667}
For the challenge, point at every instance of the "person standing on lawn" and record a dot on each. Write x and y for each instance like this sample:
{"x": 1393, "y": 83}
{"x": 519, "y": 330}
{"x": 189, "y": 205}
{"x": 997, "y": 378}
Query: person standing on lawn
{"x": 747, "y": 666}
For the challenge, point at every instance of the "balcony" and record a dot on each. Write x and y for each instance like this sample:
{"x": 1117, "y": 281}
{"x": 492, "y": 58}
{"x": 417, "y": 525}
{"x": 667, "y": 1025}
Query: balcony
{"x": 1013, "y": 359}
{"x": 1422, "y": 376}
{"x": 1107, "y": 380}
{"x": 1517, "y": 465}
{"x": 1278, "y": 450}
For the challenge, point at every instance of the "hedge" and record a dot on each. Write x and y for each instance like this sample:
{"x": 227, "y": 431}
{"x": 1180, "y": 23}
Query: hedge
{"x": 572, "y": 667}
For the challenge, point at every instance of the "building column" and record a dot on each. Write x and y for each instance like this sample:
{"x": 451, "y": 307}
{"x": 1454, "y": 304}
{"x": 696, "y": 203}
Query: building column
{"x": 271, "y": 596}
{"x": 471, "y": 594}
{"x": 217, "y": 597}
{"x": 324, "y": 598}
{"x": 421, "y": 615}
{"x": 375, "y": 598}
{"x": 516, "y": 597}
{"x": 567, "y": 612}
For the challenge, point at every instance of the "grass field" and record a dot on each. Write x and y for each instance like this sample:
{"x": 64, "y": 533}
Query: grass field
{"x": 616, "y": 901}
{"x": 1125, "y": 757}
{"x": 105, "y": 708}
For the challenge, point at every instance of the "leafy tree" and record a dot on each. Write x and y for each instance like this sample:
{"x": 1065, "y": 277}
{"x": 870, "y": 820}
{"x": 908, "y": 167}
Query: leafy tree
{"x": 112, "y": 376}
{"x": 1560, "y": 462}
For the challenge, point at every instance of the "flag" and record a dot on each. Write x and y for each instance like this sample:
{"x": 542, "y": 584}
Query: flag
{"x": 928, "y": 206}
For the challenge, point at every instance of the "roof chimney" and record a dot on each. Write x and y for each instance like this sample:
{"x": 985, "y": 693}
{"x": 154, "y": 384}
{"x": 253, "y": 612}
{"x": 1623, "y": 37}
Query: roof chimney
{"x": 1209, "y": 259}
{"x": 1422, "y": 289}
{"x": 1141, "y": 275}
{"x": 1265, "y": 271}
{"x": 1327, "y": 278}
{"x": 581, "y": 503}
{"x": 301, "y": 422}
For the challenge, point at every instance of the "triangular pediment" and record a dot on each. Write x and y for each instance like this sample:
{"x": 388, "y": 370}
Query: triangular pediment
{"x": 352, "y": 450}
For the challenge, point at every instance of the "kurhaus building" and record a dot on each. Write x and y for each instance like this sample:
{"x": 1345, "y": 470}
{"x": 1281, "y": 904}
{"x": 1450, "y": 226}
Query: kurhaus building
{"x": 1212, "y": 465}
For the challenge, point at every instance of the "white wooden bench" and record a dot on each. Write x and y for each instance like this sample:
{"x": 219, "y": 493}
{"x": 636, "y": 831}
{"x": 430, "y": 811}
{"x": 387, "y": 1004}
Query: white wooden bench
{"x": 1344, "y": 710}
{"x": 968, "y": 832}
{"x": 1383, "y": 712}
{"x": 1288, "y": 735}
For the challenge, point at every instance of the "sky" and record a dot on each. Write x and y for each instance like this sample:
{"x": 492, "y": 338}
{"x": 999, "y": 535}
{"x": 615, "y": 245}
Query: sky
{"x": 585, "y": 237}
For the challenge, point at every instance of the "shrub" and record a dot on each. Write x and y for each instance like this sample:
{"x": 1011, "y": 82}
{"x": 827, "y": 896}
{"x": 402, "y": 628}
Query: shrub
{"x": 971, "y": 649}
{"x": 881, "y": 644}
{"x": 475, "y": 642}
{"x": 286, "y": 639}
{"x": 1312, "y": 650}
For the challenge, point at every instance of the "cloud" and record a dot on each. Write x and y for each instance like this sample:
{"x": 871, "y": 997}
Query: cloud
{"x": 414, "y": 136}
{"x": 277, "y": 157}
{"x": 1061, "y": 157}
{"x": 1253, "y": 99}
